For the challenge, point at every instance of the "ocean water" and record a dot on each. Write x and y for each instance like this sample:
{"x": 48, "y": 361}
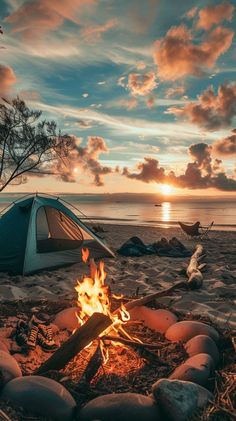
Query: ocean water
{"x": 147, "y": 209}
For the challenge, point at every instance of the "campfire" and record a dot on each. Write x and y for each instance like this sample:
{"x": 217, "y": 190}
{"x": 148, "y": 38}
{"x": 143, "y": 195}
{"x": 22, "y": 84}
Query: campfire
{"x": 95, "y": 296}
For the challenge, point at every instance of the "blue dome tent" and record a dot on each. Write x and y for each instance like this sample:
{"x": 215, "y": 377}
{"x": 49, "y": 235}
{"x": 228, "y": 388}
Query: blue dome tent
{"x": 39, "y": 232}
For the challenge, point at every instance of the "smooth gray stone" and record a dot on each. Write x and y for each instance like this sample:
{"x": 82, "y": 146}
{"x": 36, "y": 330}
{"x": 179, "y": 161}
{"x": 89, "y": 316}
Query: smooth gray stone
{"x": 9, "y": 368}
{"x": 185, "y": 330}
{"x": 202, "y": 344}
{"x": 195, "y": 369}
{"x": 41, "y": 396}
{"x": 120, "y": 407}
{"x": 178, "y": 399}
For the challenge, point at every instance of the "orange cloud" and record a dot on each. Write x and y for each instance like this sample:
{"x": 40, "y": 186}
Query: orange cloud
{"x": 94, "y": 33}
{"x": 191, "y": 13}
{"x": 150, "y": 102}
{"x": 203, "y": 173}
{"x": 175, "y": 91}
{"x": 7, "y": 79}
{"x": 83, "y": 158}
{"x": 177, "y": 56}
{"x": 226, "y": 146}
{"x": 36, "y": 18}
{"x": 142, "y": 84}
{"x": 129, "y": 104}
{"x": 212, "y": 111}
{"x": 214, "y": 14}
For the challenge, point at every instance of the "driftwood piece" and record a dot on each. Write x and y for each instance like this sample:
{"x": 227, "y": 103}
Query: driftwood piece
{"x": 194, "y": 274}
{"x": 86, "y": 333}
{"x": 148, "y": 298}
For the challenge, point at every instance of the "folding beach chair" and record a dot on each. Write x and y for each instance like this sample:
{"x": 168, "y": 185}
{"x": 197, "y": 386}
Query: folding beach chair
{"x": 196, "y": 230}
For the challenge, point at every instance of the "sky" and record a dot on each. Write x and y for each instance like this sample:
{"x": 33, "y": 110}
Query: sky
{"x": 147, "y": 89}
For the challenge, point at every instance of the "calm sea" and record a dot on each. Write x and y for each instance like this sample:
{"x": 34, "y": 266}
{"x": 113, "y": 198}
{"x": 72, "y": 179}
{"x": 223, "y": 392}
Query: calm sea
{"x": 147, "y": 209}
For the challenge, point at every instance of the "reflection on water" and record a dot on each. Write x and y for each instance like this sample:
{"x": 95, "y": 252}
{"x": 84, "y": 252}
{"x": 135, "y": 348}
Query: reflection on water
{"x": 166, "y": 207}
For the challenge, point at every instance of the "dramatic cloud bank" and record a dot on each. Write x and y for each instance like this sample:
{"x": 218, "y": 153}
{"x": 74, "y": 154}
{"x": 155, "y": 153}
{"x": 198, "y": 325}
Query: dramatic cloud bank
{"x": 226, "y": 146}
{"x": 212, "y": 111}
{"x": 84, "y": 159}
{"x": 7, "y": 79}
{"x": 35, "y": 18}
{"x": 212, "y": 15}
{"x": 142, "y": 84}
{"x": 177, "y": 56}
{"x": 204, "y": 172}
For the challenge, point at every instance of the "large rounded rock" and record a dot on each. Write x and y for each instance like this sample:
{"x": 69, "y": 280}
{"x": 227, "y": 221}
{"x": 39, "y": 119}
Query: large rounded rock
{"x": 41, "y": 396}
{"x": 159, "y": 320}
{"x": 67, "y": 319}
{"x": 196, "y": 369}
{"x": 185, "y": 330}
{"x": 120, "y": 407}
{"x": 179, "y": 399}
{"x": 9, "y": 368}
{"x": 202, "y": 344}
{"x": 4, "y": 346}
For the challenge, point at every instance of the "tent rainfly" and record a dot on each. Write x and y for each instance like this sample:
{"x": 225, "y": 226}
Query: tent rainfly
{"x": 38, "y": 232}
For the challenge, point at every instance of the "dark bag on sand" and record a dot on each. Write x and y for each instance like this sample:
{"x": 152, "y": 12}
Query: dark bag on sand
{"x": 135, "y": 247}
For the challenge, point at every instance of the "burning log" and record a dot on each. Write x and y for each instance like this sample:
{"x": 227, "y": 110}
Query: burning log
{"x": 82, "y": 337}
{"x": 93, "y": 366}
{"x": 142, "y": 349}
{"x": 195, "y": 277}
{"x": 129, "y": 342}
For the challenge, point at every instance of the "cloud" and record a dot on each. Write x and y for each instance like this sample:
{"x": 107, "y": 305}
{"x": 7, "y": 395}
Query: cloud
{"x": 149, "y": 171}
{"x": 121, "y": 81}
{"x": 203, "y": 173}
{"x": 226, "y": 146}
{"x": 212, "y": 111}
{"x": 142, "y": 84}
{"x": 142, "y": 14}
{"x": 175, "y": 91}
{"x": 214, "y": 14}
{"x": 191, "y": 13}
{"x": 93, "y": 34}
{"x": 34, "y": 19}
{"x": 129, "y": 104}
{"x": 150, "y": 102}
{"x": 85, "y": 159}
{"x": 7, "y": 79}
{"x": 82, "y": 124}
{"x": 177, "y": 56}
{"x": 141, "y": 65}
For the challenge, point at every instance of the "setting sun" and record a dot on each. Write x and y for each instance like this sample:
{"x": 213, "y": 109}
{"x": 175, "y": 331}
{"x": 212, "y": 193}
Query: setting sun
{"x": 166, "y": 189}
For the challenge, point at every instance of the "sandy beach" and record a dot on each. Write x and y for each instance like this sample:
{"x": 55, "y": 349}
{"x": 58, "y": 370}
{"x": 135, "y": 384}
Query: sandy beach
{"x": 147, "y": 274}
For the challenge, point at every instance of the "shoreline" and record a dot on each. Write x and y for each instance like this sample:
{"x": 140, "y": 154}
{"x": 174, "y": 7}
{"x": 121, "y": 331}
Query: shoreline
{"x": 152, "y": 224}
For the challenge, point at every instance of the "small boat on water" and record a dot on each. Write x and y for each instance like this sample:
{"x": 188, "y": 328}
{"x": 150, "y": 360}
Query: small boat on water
{"x": 158, "y": 204}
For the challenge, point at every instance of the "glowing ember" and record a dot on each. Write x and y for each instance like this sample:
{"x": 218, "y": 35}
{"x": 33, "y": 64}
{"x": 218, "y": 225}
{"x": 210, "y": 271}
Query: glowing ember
{"x": 94, "y": 296}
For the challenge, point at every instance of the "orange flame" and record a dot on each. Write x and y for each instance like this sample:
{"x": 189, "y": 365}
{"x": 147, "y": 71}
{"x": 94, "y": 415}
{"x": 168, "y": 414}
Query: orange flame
{"x": 85, "y": 254}
{"x": 93, "y": 296}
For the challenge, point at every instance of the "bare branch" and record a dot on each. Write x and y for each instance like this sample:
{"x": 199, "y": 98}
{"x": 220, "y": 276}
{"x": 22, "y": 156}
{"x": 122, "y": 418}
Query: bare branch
{"x": 27, "y": 142}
